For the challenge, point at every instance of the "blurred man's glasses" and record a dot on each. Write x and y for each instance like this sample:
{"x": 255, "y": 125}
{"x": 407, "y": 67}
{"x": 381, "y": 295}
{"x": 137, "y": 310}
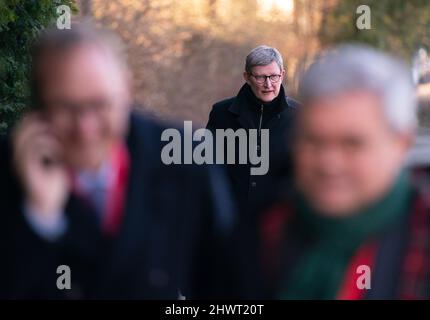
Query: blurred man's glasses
{"x": 274, "y": 78}
{"x": 69, "y": 109}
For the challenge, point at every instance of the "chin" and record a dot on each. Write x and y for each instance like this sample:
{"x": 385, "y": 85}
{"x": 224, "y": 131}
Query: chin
{"x": 86, "y": 159}
{"x": 89, "y": 163}
{"x": 267, "y": 98}
{"x": 335, "y": 207}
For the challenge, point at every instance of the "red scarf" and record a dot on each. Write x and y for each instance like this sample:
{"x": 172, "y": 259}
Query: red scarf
{"x": 117, "y": 190}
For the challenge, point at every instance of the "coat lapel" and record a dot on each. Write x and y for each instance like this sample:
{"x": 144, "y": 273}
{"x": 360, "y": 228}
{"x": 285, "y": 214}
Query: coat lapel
{"x": 133, "y": 237}
{"x": 245, "y": 118}
{"x": 237, "y": 108}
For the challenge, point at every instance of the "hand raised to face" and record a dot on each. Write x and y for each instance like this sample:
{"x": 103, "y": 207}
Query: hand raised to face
{"x": 37, "y": 157}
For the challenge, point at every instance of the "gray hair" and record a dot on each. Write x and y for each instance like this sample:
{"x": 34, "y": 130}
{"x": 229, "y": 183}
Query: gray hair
{"x": 55, "y": 41}
{"x": 358, "y": 67}
{"x": 263, "y": 56}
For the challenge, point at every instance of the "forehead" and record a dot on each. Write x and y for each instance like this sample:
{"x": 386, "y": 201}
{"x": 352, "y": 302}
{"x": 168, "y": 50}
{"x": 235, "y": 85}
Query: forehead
{"x": 80, "y": 70}
{"x": 355, "y": 111}
{"x": 269, "y": 69}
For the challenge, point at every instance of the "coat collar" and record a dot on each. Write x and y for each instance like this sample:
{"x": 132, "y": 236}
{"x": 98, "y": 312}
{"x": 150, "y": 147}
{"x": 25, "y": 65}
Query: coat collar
{"x": 144, "y": 168}
{"x": 240, "y": 107}
{"x": 239, "y": 104}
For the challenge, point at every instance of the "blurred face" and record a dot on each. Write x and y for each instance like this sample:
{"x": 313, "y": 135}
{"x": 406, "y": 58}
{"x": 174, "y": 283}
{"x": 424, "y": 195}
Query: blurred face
{"x": 345, "y": 154}
{"x": 262, "y": 86}
{"x": 86, "y": 99}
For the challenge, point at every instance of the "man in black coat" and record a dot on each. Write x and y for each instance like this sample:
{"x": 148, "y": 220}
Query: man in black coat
{"x": 87, "y": 208}
{"x": 260, "y": 104}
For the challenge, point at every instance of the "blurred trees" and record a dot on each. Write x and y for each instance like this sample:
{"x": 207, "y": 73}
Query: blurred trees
{"x": 188, "y": 54}
{"x": 398, "y": 26}
{"x": 20, "y": 22}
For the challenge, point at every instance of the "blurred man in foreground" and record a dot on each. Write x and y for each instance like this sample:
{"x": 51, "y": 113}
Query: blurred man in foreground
{"x": 357, "y": 225}
{"x": 82, "y": 186}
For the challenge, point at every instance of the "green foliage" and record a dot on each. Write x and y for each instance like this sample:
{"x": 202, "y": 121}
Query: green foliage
{"x": 20, "y": 23}
{"x": 398, "y": 26}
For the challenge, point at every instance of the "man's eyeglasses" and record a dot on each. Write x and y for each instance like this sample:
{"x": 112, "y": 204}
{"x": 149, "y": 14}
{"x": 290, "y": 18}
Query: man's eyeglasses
{"x": 68, "y": 109}
{"x": 274, "y": 78}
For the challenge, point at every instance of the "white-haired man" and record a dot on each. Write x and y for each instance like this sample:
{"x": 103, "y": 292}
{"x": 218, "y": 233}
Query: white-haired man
{"x": 84, "y": 195}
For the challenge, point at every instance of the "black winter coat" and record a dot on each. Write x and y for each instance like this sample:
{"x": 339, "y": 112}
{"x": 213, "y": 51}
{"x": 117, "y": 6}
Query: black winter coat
{"x": 170, "y": 235}
{"x": 253, "y": 192}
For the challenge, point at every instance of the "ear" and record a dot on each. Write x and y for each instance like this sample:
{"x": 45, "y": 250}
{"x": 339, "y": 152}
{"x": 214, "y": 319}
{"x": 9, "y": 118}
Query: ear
{"x": 405, "y": 142}
{"x": 408, "y": 141}
{"x": 283, "y": 73}
{"x": 283, "y": 76}
{"x": 128, "y": 87}
{"x": 246, "y": 77}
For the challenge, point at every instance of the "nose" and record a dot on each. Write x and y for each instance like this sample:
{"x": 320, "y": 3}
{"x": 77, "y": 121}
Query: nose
{"x": 85, "y": 125}
{"x": 330, "y": 159}
{"x": 267, "y": 82}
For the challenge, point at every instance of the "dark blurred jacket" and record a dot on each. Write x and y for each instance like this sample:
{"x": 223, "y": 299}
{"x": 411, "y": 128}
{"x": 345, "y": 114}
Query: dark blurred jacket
{"x": 173, "y": 228}
{"x": 246, "y": 111}
{"x": 267, "y": 249}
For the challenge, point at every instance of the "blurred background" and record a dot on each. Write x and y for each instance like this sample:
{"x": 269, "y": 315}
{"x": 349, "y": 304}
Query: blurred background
{"x": 187, "y": 54}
